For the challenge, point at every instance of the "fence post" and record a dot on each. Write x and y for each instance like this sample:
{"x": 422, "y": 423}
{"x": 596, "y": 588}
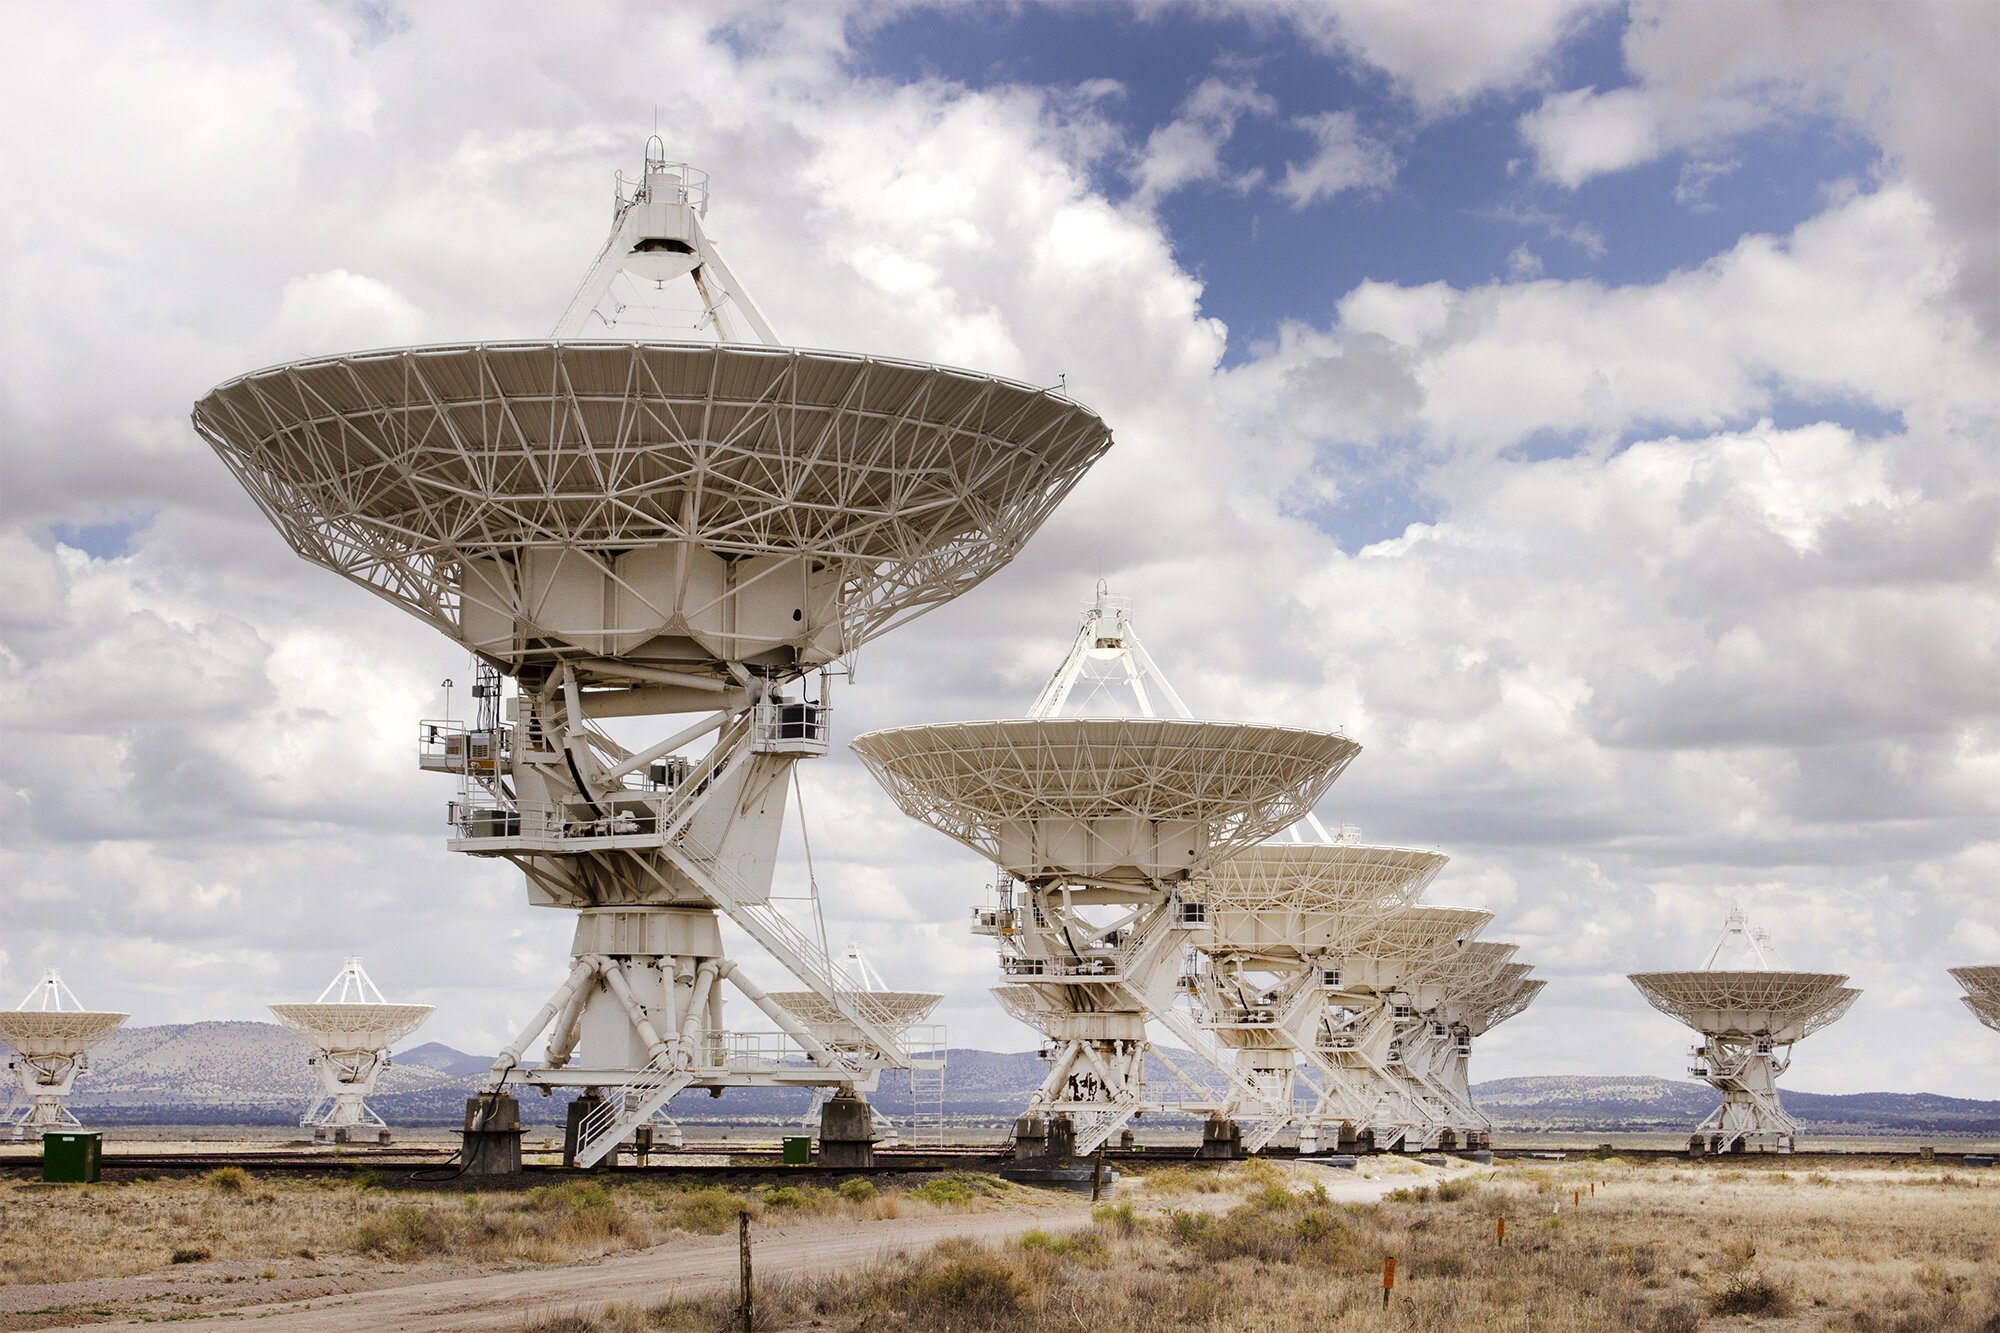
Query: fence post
{"x": 743, "y": 1241}
{"x": 1097, "y": 1175}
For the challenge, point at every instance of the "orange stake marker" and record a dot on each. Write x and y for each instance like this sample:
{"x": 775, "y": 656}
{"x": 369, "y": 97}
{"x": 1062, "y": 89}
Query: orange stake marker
{"x": 1593, "y": 1189}
{"x": 1388, "y": 1280}
{"x": 1503, "y": 1230}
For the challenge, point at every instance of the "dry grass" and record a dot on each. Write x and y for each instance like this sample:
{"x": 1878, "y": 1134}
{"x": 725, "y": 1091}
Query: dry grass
{"x": 1656, "y": 1250}
{"x": 70, "y": 1233}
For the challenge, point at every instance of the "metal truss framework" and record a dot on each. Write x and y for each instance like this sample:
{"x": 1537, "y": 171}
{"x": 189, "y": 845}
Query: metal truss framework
{"x": 1748, "y": 1021}
{"x": 1283, "y": 917}
{"x": 352, "y": 1036}
{"x": 1104, "y": 822}
{"x": 1393, "y": 1029}
{"x": 645, "y": 529}
{"x": 1982, "y": 993}
{"x": 50, "y": 1046}
{"x": 907, "y": 484}
{"x": 1196, "y": 791}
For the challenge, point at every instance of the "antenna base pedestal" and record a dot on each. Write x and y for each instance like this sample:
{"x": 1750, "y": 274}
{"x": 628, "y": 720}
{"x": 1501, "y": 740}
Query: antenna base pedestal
{"x": 1221, "y": 1141}
{"x": 491, "y": 1144}
{"x": 846, "y": 1131}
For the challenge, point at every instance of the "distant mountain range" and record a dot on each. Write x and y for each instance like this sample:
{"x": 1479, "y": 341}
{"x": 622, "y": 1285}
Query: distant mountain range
{"x": 256, "y": 1074}
{"x": 1580, "y": 1102}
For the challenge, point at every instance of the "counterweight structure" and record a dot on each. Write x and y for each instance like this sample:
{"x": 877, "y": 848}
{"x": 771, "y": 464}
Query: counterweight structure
{"x": 1104, "y": 829}
{"x": 1748, "y": 1017}
{"x": 51, "y": 1046}
{"x": 1982, "y": 993}
{"x": 639, "y": 530}
{"x": 352, "y": 1027}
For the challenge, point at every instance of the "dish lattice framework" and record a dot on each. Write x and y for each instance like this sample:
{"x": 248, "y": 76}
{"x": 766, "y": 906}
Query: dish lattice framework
{"x": 1241, "y": 782}
{"x": 1982, "y": 992}
{"x": 1327, "y": 888}
{"x": 1425, "y": 940}
{"x": 1504, "y": 995}
{"x": 395, "y": 468}
{"x": 1749, "y": 1003}
{"x": 357, "y": 1020}
{"x": 699, "y": 524}
{"x": 39, "y": 1027}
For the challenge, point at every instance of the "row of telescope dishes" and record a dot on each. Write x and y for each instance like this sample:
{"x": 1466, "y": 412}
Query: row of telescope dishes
{"x": 1138, "y": 885}
{"x": 1317, "y": 956}
{"x": 350, "y": 1026}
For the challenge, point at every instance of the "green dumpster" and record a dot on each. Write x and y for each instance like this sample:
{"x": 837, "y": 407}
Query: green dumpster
{"x": 73, "y": 1155}
{"x": 798, "y": 1151}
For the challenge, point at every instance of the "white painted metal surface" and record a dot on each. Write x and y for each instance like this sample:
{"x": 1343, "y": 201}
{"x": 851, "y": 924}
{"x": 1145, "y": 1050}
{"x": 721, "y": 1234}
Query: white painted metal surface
{"x": 1105, "y": 821}
{"x": 50, "y": 1048}
{"x": 352, "y": 1027}
{"x": 639, "y": 529}
{"x": 1749, "y": 1018}
{"x": 657, "y": 238}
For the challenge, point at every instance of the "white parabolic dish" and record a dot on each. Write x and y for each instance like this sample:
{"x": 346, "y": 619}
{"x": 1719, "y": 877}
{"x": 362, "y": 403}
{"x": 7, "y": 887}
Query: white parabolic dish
{"x": 890, "y": 1008}
{"x": 1422, "y": 934}
{"x": 567, "y": 499}
{"x": 1109, "y": 799}
{"x": 44, "y": 1033}
{"x": 1310, "y": 897}
{"x": 352, "y": 1027}
{"x": 1785, "y": 1006}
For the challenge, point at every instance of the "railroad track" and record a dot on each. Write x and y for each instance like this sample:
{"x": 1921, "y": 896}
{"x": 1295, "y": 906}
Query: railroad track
{"x": 758, "y": 1162}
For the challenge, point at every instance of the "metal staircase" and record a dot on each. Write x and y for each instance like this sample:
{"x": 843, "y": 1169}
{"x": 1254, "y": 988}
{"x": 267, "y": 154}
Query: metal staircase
{"x": 624, "y": 1110}
{"x": 802, "y": 955}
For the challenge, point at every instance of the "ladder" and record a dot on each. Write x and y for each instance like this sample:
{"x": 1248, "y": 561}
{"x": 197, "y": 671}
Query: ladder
{"x": 927, "y": 1090}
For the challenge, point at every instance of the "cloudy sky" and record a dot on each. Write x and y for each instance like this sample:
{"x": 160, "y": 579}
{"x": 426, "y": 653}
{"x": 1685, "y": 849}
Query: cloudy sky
{"x": 1592, "y": 408}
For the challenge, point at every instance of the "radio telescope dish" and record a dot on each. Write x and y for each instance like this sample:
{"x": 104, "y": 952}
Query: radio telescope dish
{"x": 674, "y": 507}
{"x": 49, "y": 1044}
{"x": 1982, "y": 993}
{"x": 353, "y": 1032}
{"x": 1303, "y": 899}
{"x": 1110, "y": 824}
{"x": 895, "y": 1010}
{"x": 1748, "y": 1019}
{"x": 1778, "y": 1006}
{"x": 1413, "y": 945}
{"x": 1108, "y": 802}
{"x": 638, "y": 529}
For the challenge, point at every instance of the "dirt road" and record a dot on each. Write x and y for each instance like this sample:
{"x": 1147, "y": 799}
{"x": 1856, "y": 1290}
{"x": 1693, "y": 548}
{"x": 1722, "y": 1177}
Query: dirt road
{"x": 684, "y": 1265}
